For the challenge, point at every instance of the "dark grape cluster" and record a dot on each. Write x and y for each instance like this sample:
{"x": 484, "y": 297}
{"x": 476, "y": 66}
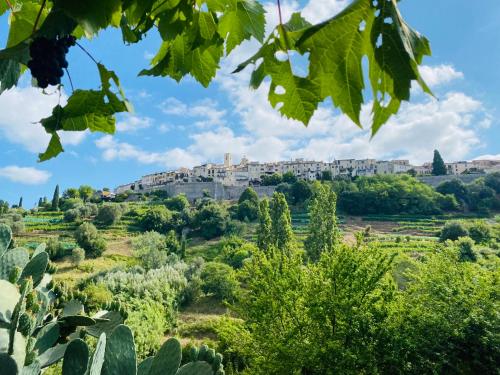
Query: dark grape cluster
{"x": 48, "y": 59}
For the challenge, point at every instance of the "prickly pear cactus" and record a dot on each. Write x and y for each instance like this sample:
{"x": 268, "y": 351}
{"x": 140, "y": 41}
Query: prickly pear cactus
{"x": 5, "y": 238}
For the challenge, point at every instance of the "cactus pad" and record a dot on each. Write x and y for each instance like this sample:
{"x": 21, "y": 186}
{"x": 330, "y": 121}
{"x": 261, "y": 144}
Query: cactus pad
{"x": 5, "y": 238}
{"x": 76, "y": 358}
{"x": 168, "y": 358}
{"x": 120, "y": 355}
{"x": 8, "y": 301}
{"x": 18, "y": 257}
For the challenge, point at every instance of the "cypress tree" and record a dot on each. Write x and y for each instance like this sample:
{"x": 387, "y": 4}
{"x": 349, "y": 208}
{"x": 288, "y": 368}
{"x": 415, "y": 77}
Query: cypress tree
{"x": 323, "y": 230}
{"x": 264, "y": 240}
{"x": 20, "y": 205}
{"x": 55, "y": 199}
{"x": 438, "y": 166}
{"x": 281, "y": 232}
{"x": 40, "y": 202}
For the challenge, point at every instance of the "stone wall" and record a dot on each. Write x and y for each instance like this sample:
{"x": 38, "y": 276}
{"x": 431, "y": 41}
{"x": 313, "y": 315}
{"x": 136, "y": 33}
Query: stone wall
{"x": 194, "y": 190}
{"x": 436, "y": 180}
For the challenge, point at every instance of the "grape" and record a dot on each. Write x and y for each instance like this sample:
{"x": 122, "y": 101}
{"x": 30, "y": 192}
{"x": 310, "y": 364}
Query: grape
{"x": 48, "y": 59}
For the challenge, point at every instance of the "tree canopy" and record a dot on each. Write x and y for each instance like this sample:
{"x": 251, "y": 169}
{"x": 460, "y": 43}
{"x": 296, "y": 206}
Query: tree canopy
{"x": 197, "y": 34}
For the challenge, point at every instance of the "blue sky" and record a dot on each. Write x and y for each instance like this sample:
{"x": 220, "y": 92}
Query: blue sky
{"x": 184, "y": 124}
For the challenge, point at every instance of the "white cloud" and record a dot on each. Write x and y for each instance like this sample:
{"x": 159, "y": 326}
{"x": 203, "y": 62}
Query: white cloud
{"x": 132, "y": 123}
{"x": 440, "y": 74}
{"x": 25, "y": 175}
{"x": 21, "y": 109}
{"x": 205, "y": 111}
{"x": 488, "y": 157}
{"x": 320, "y": 10}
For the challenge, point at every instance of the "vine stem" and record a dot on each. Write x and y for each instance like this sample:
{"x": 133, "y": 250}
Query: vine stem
{"x": 70, "y": 80}
{"x": 9, "y": 4}
{"x": 39, "y": 15}
{"x": 279, "y": 13}
{"x": 87, "y": 52}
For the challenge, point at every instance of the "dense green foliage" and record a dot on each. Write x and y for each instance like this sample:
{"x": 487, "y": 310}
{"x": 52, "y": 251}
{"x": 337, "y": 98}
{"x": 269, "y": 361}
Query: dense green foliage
{"x": 219, "y": 279}
{"x": 438, "y": 166}
{"x": 88, "y": 238}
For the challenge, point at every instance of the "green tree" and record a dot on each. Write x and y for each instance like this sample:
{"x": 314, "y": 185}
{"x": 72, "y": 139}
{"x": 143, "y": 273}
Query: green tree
{"x": 250, "y": 195}
{"x": 438, "y": 166}
{"x": 177, "y": 203}
{"x": 40, "y": 202}
{"x": 109, "y": 214}
{"x": 453, "y": 230}
{"x": 289, "y": 177}
{"x": 85, "y": 192}
{"x": 71, "y": 193}
{"x": 456, "y": 188}
{"x": 323, "y": 231}
{"x": 20, "y": 205}
{"x": 219, "y": 279}
{"x": 271, "y": 180}
{"x": 281, "y": 227}
{"x": 88, "y": 238}
{"x": 4, "y": 207}
{"x": 211, "y": 220}
{"x": 492, "y": 180}
{"x": 157, "y": 218}
{"x": 326, "y": 176}
{"x": 264, "y": 231}
{"x": 77, "y": 256}
{"x": 301, "y": 191}
{"x": 55, "y": 199}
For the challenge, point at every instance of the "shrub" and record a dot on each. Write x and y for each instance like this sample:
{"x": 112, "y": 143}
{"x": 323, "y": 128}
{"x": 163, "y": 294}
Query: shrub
{"x": 177, "y": 203}
{"x": 480, "y": 231}
{"x": 211, "y": 220}
{"x": 72, "y": 215}
{"x": 109, "y": 214}
{"x": 156, "y": 219}
{"x": 466, "y": 251}
{"x": 250, "y": 195}
{"x": 69, "y": 203}
{"x": 17, "y": 217}
{"x": 55, "y": 249}
{"x": 447, "y": 202}
{"x": 97, "y": 295}
{"x": 77, "y": 256}
{"x": 453, "y": 230}
{"x": 301, "y": 192}
{"x": 220, "y": 280}
{"x": 172, "y": 244}
{"x": 147, "y": 321}
{"x": 235, "y": 256}
{"x": 247, "y": 210}
{"x": 88, "y": 238}
{"x": 151, "y": 249}
{"x": 17, "y": 227}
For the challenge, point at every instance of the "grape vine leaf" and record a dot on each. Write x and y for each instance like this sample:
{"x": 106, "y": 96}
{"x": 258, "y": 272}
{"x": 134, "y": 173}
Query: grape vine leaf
{"x": 22, "y": 22}
{"x": 86, "y": 109}
{"x": 336, "y": 49}
{"x": 244, "y": 19}
{"x": 92, "y": 15}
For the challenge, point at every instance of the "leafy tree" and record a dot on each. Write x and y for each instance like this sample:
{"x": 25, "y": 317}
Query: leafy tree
{"x": 72, "y": 215}
{"x": 109, "y": 214}
{"x": 250, "y": 195}
{"x": 211, "y": 32}
{"x": 285, "y": 189}
{"x": 323, "y": 231}
{"x": 88, "y": 238}
{"x": 492, "y": 180}
{"x": 151, "y": 249}
{"x": 326, "y": 176}
{"x": 453, "y": 230}
{"x": 70, "y": 203}
{"x": 271, "y": 180}
{"x": 438, "y": 166}
{"x": 71, "y": 193}
{"x": 466, "y": 251}
{"x": 454, "y": 187}
{"x": 264, "y": 231}
{"x": 55, "y": 248}
{"x": 482, "y": 198}
{"x": 77, "y": 256}
{"x": 220, "y": 280}
{"x": 301, "y": 191}
{"x": 85, "y": 192}
{"x": 289, "y": 177}
{"x": 4, "y": 207}
{"x": 172, "y": 244}
{"x": 247, "y": 210}
{"x": 480, "y": 231}
{"x": 55, "y": 199}
{"x": 177, "y": 203}
{"x": 211, "y": 221}
{"x": 157, "y": 218}
{"x": 281, "y": 227}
